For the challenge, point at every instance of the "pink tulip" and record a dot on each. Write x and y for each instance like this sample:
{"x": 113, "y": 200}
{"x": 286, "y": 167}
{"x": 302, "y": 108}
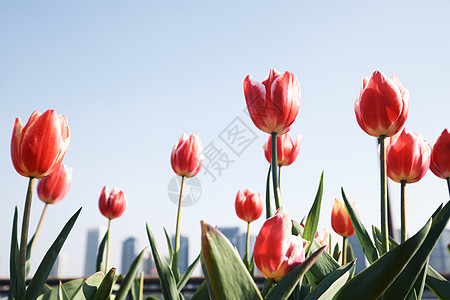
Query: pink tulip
{"x": 112, "y": 205}
{"x": 248, "y": 205}
{"x": 322, "y": 239}
{"x": 408, "y": 157}
{"x": 340, "y": 220}
{"x": 274, "y": 103}
{"x": 54, "y": 187}
{"x": 39, "y": 147}
{"x": 276, "y": 250}
{"x": 287, "y": 150}
{"x": 187, "y": 156}
{"x": 440, "y": 156}
{"x": 382, "y": 105}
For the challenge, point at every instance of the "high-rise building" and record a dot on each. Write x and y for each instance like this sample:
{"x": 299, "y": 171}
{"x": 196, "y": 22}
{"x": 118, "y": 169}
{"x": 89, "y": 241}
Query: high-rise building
{"x": 128, "y": 253}
{"x": 358, "y": 253}
{"x": 58, "y": 267}
{"x": 93, "y": 240}
{"x": 232, "y": 234}
{"x": 440, "y": 257}
{"x": 183, "y": 255}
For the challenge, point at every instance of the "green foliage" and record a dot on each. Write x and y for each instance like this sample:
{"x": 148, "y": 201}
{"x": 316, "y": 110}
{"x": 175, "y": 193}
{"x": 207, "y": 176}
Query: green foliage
{"x": 105, "y": 289}
{"x": 100, "y": 253}
{"x": 128, "y": 280}
{"x": 314, "y": 214}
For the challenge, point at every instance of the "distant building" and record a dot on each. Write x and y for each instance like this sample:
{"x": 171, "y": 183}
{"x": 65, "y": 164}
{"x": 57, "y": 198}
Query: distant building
{"x": 93, "y": 240}
{"x": 183, "y": 255}
{"x": 58, "y": 267}
{"x": 440, "y": 257}
{"x": 128, "y": 253}
{"x": 238, "y": 239}
{"x": 358, "y": 253}
{"x": 148, "y": 265}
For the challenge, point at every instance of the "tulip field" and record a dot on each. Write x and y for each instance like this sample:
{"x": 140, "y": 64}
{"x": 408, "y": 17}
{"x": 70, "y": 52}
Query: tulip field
{"x": 297, "y": 259}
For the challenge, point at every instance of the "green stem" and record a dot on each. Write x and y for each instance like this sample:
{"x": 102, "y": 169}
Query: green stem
{"x": 107, "y": 246}
{"x": 448, "y": 184}
{"x": 344, "y": 250}
{"x": 276, "y": 189}
{"x": 403, "y": 209}
{"x": 383, "y": 179}
{"x": 177, "y": 233}
{"x": 39, "y": 226}
{"x": 247, "y": 246}
{"x": 24, "y": 238}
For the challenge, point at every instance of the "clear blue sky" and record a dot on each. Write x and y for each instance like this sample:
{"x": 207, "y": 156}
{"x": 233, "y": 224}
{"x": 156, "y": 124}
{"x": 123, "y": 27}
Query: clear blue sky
{"x": 131, "y": 77}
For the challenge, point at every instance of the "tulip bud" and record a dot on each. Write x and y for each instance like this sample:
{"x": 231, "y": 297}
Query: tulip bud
{"x": 39, "y": 147}
{"x": 187, "y": 156}
{"x": 274, "y": 103}
{"x": 340, "y": 220}
{"x": 287, "y": 151}
{"x": 440, "y": 156}
{"x": 112, "y": 205}
{"x": 408, "y": 157}
{"x": 382, "y": 105}
{"x": 276, "y": 250}
{"x": 248, "y": 205}
{"x": 54, "y": 187}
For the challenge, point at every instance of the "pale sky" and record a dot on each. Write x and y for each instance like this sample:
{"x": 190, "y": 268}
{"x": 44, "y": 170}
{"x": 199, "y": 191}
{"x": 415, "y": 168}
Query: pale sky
{"x": 132, "y": 77}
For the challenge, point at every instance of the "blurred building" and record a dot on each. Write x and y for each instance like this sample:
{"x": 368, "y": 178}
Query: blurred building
{"x": 440, "y": 257}
{"x": 58, "y": 267}
{"x": 93, "y": 240}
{"x": 183, "y": 255}
{"x": 148, "y": 265}
{"x": 358, "y": 253}
{"x": 128, "y": 253}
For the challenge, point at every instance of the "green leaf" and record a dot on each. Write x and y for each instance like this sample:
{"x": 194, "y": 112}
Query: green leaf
{"x": 286, "y": 285}
{"x": 270, "y": 209}
{"x": 336, "y": 252}
{"x": 185, "y": 278}
{"x": 169, "y": 247}
{"x": 166, "y": 279}
{"x": 77, "y": 289}
{"x": 224, "y": 270}
{"x": 361, "y": 233}
{"x": 100, "y": 252}
{"x": 128, "y": 280}
{"x": 405, "y": 281}
{"x": 28, "y": 256}
{"x": 47, "y": 262}
{"x": 62, "y": 295}
{"x": 13, "y": 258}
{"x": 201, "y": 293}
{"x": 374, "y": 280}
{"x": 324, "y": 265}
{"x": 437, "y": 283}
{"x": 314, "y": 213}
{"x": 420, "y": 282}
{"x": 350, "y": 255}
{"x": 332, "y": 283}
{"x": 105, "y": 289}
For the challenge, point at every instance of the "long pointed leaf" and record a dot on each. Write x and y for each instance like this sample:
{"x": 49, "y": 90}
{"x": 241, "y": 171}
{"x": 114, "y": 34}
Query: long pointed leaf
{"x": 201, "y": 293}
{"x": 374, "y": 280}
{"x": 437, "y": 283}
{"x": 286, "y": 285}
{"x": 227, "y": 275}
{"x": 332, "y": 283}
{"x": 169, "y": 247}
{"x": 13, "y": 258}
{"x": 49, "y": 259}
{"x": 185, "y": 278}
{"x": 314, "y": 213}
{"x": 105, "y": 289}
{"x": 128, "y": 280}
{"x": 405, "y": 281}
{"x": 166, "y": 279}
{"x": 100, "y": 252}
{"x": 361, "y": 233}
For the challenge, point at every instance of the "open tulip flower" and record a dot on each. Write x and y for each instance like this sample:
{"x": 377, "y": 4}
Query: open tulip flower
{"x": 273, "y": 104}
{"x": 382, "y": 105}
{"x": 40, "y": 146}
{"x": 187, "y": 156}
{"x": 248, "y": 205}
{"x": 440, "y": 156}
{"x": 287, "y": 150}
{"x": 277, "y": 250}
{"x": 54, "y": 187}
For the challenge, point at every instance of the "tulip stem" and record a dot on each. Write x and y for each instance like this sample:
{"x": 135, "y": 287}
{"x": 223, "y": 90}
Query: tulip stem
{"x": 403, "y": 209}
{"x": 383, "y": 179}
{"x": 448, "y": 184}
{"x": 177, "y": 234}
{"x": 39, "y": 226}
{"x": 247, "y": 247}
{"x": 276, "y": 189}
{"x": 24, "y": 238}
{"x": 107, "y": 246}
{"x": 344, "y": 250}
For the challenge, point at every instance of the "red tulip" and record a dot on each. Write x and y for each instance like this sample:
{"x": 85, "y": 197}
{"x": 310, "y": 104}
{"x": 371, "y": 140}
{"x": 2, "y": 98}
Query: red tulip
{"x": 54, "y": 187}
{"x": 39, "y": 147}
{"x": 287, "y": 150}
{"x": 187, "y": 156}
{"x": 112, "y": 205}
{"x": 276, "y": 250}
{"x": 408, "y": 157}
{"x": 382, "y": 105}
{"x": 273, "y": 104}
{"x": 440, "y": 156}
{"x": 340, "y": 220}
{"x": 248, "y": 205}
